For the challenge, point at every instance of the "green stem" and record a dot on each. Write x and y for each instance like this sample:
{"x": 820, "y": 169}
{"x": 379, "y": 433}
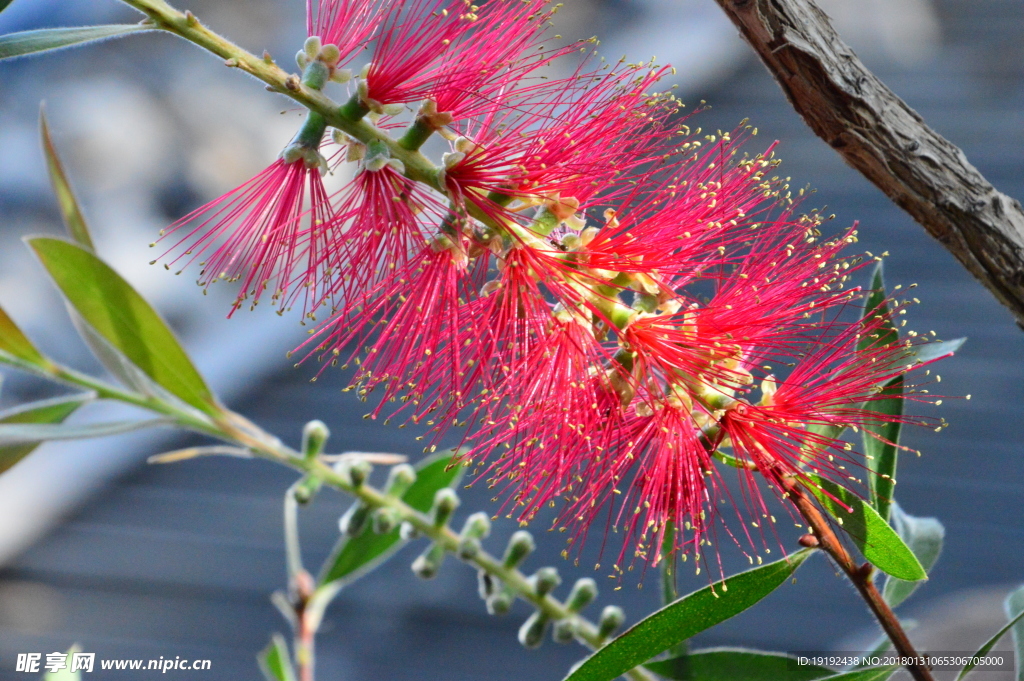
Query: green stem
{"x": 416, "y": 134}
{"x": 292, "y": 546}
{"x": 312, "y": 131}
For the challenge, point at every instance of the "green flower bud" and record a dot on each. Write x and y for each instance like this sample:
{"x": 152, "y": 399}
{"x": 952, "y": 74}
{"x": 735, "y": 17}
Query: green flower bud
{"x": 301, "y": 59}
{"x": 314, "y": 437}
{"x": 583, "y": 592}
{"x": 469, "y": 547}
{"x": 445, "y": 503}
{"x": 354, "y": 471}
{"x": 306, "y": 489}
{"x": 531, "y": 634}
{"x": 312, "y": 47}
{"x": 612, "y": 618}
{"x": 429, "y": 562}
{"x": 501, "y": 602}
{"x": 400, "y": 479}
{"x": 341, "y": 76}
{"x": 546, "y": 580}
{"x": 353, "y": 522}
{"x": 564, "y": 631}
{"x": 385, "y": 520}
{"x": 477, "y": 526}
{"x": 408, "y": 531}
{"x": 519, "y": 547}
{"x": 329, "y": 54}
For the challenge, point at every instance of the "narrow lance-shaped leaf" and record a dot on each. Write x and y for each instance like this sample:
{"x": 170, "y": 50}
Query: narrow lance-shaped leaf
{"x": 274, "y": 661}
{"x": 353, "y": 557}
{"x": 881, "y": 445}
{"x": 936, "y": 349}
{"x": 46, "y": 39}
{"x": 880, "y": 440}
{"x": 873, "y": 537}
{"x": 23, "y": 434}
{"x": 983, "y": 651}
{"x": 47, "y": 411}
{"x": 876, "y": 306}
{"x": 120, "y": 315}
{"x": 685, "y": 618}
{"x": 924, "y": 536}
{"x": 69, "y": 208}
{"x": 736, "y": 664}
{"x": 15, "y": 344}
{"x": 4, "y": 3}
{"x": 1014, "y": 609}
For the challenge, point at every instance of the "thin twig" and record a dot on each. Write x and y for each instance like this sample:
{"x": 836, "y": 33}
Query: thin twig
{"x": 860, "y": 576}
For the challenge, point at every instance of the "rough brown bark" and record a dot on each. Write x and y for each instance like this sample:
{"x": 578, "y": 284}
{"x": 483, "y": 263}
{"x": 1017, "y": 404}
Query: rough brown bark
{"x": 879, "y": 135}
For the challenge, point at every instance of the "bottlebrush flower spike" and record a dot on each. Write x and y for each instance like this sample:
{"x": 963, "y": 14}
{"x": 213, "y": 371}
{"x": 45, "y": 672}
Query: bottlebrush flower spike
{"x": 382, "y": 220}
{"x": 406, "y": 330}
{"x": 261, "y": 232}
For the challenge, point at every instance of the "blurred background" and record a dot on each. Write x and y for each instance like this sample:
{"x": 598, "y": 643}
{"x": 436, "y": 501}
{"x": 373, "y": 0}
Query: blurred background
{"x": 135, "y": 561}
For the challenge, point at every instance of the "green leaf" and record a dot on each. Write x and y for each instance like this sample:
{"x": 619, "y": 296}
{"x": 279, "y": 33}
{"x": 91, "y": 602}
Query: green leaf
{"x": 935, "y": 350}
{"x": 121, "y": 316}
{"x": 881, "y": 450}
{"x": 69, "y": 209}
{"x": 65, "y": 674}
{"x": 983, "y": 651}
{"x": 874, "y": 307}
{"x": 924, "y": 536}
{"x": 15, "y": 344}
{"x": 47, "y": 411}
{"x": 20, "y": 435}
{"x": 353, "y": 557}
{"x": 1014, "y": 609}
{"x": 685, "y": 618}
{"x": 274, "y": 661}
{"x": 873, "y": 537}
{"x": 736, "y": 664}
{"x": 880, "y": 455}
{"x": 45, "y": 39}
{"x": 4, "y": 3}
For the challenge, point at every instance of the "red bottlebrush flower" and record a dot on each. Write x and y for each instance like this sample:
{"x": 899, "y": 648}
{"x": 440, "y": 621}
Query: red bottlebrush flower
{"x": 566, "y": 147}
{"x": 382, "y": 220}
{"x": 413, "y": 39}
{"x": 403, "y": 334}
{"x": 832, "y": 386}
{"x": 491, "y": 60}
{"x": 254, "y": 233}
{"x": 347, "y": 24}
